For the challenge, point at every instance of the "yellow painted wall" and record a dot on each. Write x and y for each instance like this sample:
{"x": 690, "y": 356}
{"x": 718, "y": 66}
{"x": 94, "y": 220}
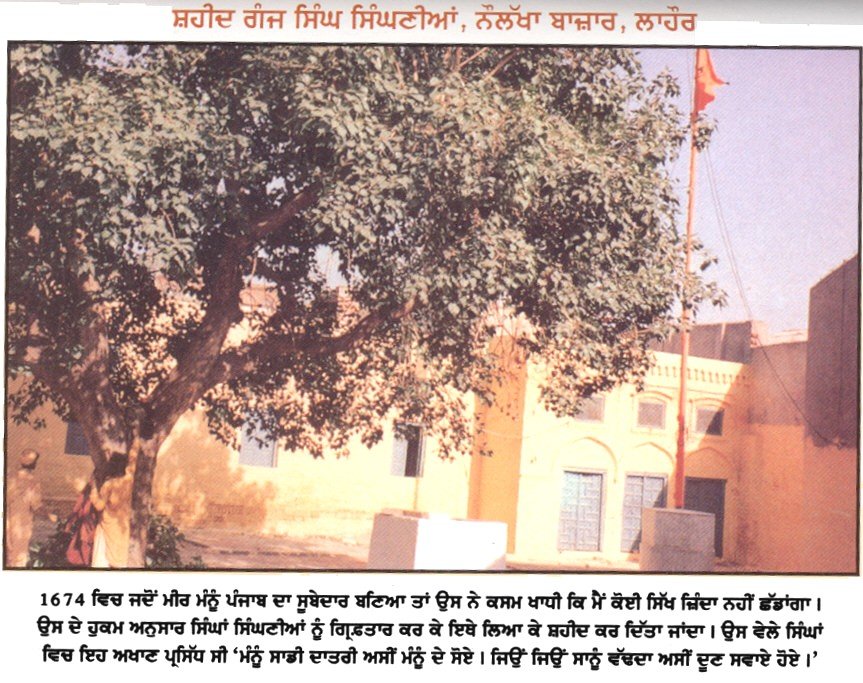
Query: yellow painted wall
{"x": 831, "y": 519}
{"x": 494, "y": 476}
{"x": 617, "y": 447}
{"x": 61, "y": 476}
{"x": 790, "y": 506}
{"x": 199, "y": 481}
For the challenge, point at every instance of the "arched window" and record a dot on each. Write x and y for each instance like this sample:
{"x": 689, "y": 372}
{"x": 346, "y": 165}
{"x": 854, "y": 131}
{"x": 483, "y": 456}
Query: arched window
{"x": 709, "y": 420}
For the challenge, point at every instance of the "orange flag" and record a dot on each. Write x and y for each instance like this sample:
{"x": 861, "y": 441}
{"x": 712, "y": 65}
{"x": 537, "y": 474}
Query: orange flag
{"x": 706, "y": 80}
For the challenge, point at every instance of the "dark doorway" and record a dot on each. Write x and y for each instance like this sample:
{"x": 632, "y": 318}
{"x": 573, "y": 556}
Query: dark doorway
{"x": 708, "y": 495}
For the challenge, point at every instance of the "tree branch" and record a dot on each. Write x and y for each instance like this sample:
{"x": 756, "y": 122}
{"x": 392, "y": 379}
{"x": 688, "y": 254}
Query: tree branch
{"x": 508, "y": 57}
{"x": 29, "y": 349}
{"x": 266, "y": 225}
{"x": 190, "y": 378}
{"x": 468, "y": 60}
{"x": 246, "y": 361}
{"x": 89, "y": 392}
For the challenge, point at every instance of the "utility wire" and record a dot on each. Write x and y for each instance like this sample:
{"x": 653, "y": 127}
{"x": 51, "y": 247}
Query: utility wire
{"x": 735, "y": 271}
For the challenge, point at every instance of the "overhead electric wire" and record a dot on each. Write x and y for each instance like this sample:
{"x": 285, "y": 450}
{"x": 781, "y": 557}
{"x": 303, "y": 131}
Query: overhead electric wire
{"x": 735, "y": 271}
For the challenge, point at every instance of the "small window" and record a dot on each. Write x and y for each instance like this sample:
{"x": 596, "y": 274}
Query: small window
{"x": 408, "y": 447}
{"x": 651, "y": 414}
{"x": 709, "y": 421}
{"x": 257, "y": 448}
{"x": 592, "y": 409}
{"x": 76, "y": 442}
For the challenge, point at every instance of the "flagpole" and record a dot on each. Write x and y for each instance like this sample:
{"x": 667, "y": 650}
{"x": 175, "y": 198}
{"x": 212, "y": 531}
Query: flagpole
{"x": 679, "y": 466}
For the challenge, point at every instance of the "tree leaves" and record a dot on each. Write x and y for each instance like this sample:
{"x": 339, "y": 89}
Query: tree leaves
{"x": 472, "y": 187}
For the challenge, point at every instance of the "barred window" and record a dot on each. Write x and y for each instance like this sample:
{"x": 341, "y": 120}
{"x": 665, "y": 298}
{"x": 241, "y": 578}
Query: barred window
{"x": 651, "y": 414}
{"x": 592, "y": 409}
{"x": 76, "y": 442}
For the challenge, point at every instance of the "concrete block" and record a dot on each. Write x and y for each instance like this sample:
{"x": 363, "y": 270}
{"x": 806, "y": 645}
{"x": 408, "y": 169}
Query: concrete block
{"x": 394, "y": 541}
{"x": 676, "y": 540}
{"x": 660, "y": 559}
{"x": 405, "y": 540}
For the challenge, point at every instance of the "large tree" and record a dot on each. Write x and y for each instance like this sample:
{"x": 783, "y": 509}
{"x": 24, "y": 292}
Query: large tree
{"x": 180, "y": 216}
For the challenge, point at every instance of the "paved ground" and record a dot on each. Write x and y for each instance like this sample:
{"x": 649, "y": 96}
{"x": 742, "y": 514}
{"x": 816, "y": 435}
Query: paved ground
{"x": 222, "y": 549}
{"x": 230, "y": 550}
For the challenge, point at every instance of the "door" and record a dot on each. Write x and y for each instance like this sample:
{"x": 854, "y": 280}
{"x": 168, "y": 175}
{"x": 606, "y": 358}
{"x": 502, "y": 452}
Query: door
{"x": 708, "y": 495}
{"x": 639, "y": 492}
{"x": 580, "y": 512}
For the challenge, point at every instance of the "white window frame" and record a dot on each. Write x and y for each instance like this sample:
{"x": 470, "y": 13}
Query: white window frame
{"x": 248, "y": 433}
{"x": 399, "y": 464}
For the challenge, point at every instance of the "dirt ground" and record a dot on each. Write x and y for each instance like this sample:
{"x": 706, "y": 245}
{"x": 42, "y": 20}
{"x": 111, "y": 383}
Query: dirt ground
{"x": 224, "y": 549}
{"x": 220, "y": 549}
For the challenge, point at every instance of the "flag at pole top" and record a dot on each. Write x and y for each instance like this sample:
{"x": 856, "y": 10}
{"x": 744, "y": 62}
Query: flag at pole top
{"x": 706, "y": 80}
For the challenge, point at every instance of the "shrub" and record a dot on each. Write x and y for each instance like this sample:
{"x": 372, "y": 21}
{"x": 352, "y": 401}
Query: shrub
{"x": 51, "y": 554}
{"x": 163, "y": 548}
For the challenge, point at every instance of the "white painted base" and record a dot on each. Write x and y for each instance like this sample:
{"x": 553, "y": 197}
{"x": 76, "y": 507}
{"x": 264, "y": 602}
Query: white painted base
{"x": 406, "y": 540}
{"x": 676, "y": 540}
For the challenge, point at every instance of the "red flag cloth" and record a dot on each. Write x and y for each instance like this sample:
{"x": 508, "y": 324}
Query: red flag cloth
{"x": 706, "y": 80}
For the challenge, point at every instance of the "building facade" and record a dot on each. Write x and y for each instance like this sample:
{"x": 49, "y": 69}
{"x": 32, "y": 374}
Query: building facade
{"x": 768, "y": 452}
{"x": 576, "y": 487}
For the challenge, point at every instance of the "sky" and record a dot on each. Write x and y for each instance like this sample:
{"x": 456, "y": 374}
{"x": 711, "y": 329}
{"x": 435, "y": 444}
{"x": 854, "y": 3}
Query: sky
{"x": 785, "y": 163}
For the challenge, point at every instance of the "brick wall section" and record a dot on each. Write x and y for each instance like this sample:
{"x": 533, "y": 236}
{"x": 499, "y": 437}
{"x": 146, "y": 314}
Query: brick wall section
{"x": 718, "y": 341}
{"x": 832, "y": 365}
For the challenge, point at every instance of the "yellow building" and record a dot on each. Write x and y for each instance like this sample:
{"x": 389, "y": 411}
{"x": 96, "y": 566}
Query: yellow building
{"x": 201, "y": 482}
{"x": 783, "y": 487}
{"x": 575, "y": 487}
{"x": 772, "y": 449}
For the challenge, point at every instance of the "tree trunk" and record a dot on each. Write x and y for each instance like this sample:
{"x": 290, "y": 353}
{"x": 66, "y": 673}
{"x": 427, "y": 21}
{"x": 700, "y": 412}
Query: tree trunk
{"x": 123, "y": 437}
{"x": 142, "y": 501}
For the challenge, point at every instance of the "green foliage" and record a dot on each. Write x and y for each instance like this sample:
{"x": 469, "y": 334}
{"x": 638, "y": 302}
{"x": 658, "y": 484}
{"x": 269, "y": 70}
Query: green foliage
{"x": 51, "y": 554}
{"x": 163, "y": 548}
{"x": 471, "y": 190}
{"x": 704, "y": 130}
